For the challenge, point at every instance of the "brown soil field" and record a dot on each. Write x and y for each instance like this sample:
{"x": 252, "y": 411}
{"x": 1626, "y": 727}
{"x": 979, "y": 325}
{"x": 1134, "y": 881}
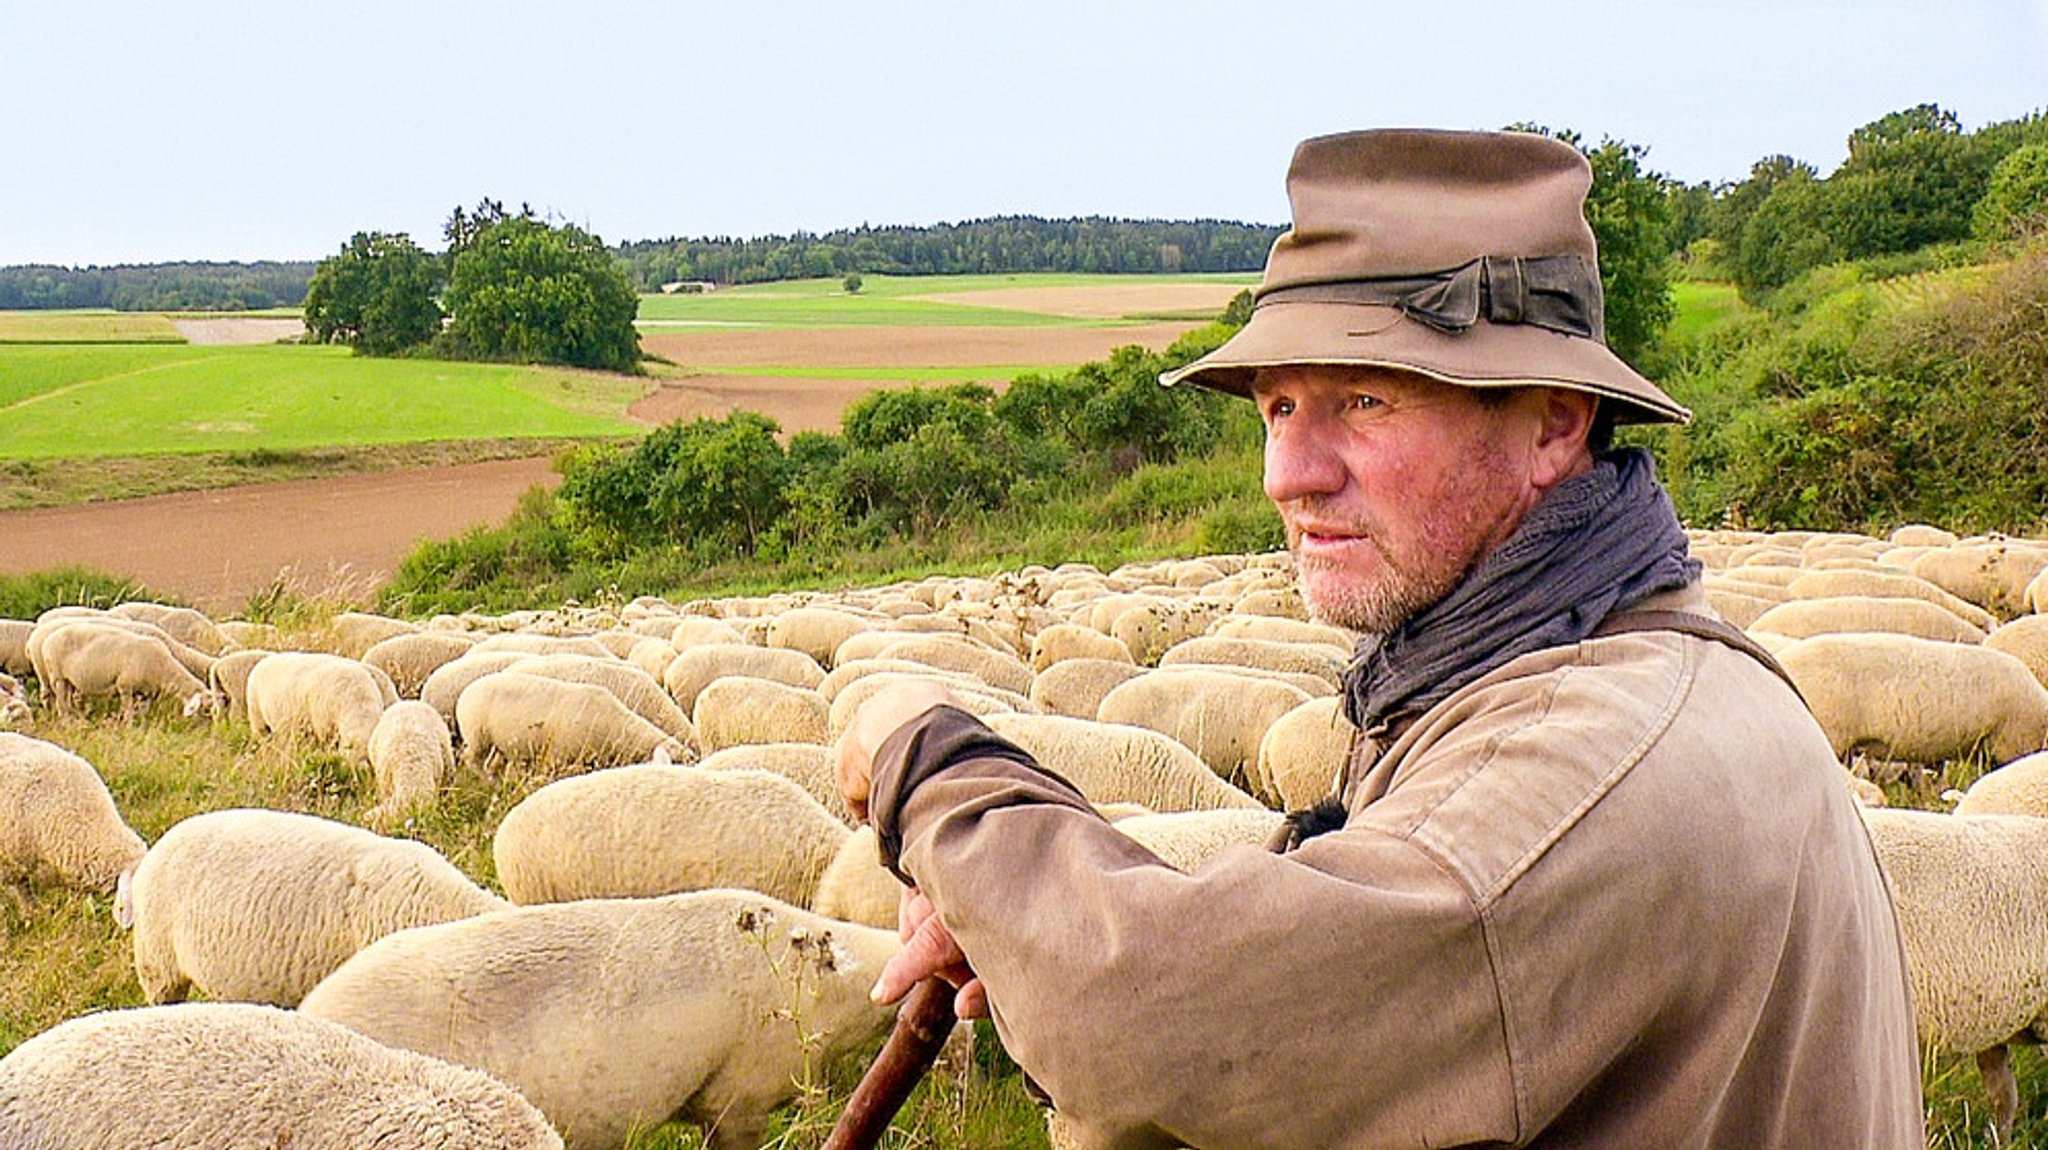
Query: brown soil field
{"x": 1101, "y": 301}
{"x": 713, "y": 348}
{"x": 239, "y": 329}
{"x": 338, "y": 538}
{"x": 795, "y": 404}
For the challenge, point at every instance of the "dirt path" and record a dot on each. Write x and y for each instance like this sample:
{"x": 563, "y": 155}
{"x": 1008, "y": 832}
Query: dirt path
{"x": 341, "y": 536}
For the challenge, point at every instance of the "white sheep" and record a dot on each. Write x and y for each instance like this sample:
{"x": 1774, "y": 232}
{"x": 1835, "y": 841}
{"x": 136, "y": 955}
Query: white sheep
{"x": 1918, "y": 700}
{"x": 645, "y": 830}
{"x": 640, "y": 692}
{"x": 1921, "y": 535}
{"x": 1993, "y": 574}
{"x": 1184, "y": 840}
{"x": 973, "y": 697}
{"x": 258, "y": 905}
{"x": 410, "y": 657}
{"x": 1302, "y": 753}
{"x": 1076, "y": 687}
{"x": 1220, "y": 715}
{"x": 58, "y": 823}
{"x": 1063, "y": 641}
{"x": 816, "y": 631}
{"x": 229, "y": 679}
{"x": 449, "y": 680}
{"x": 742, "y": 709}
{"x": 80, "y": 659}
{"x": 529, "y": 643}
{"x": 2019, "y": 787}
{"x": 1971, "y": 892}
{"x": 1886, "y": 584}
{"x": 1319, "y": 660}
{"x": 1115, "y": 763}
{"x": 712, "y": 1006}
{"x": 1805, "y": 618}
{"x": 412, "y": 757}
{"x": 235, "y": 1076}
{"x": 184, "y": 624}
{"x": 1235, "y": 626}
{"x": 855, "y": 886}
{"x": 2037, "y": 594}
{"x": 1005, "y": 672}
{"x": 517, "y": 718}
{"x": 697, "y": 667}
{"x": 2025, "y": 639}
{"x": 351, "y": 633}
{"x": 808, "y": 765}
{"x": 14, "y": 635}
{"x": 330, "y": 700}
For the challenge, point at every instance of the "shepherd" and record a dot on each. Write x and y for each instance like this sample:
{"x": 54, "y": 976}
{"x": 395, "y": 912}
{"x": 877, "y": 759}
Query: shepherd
{"x": 1590, "y": 875}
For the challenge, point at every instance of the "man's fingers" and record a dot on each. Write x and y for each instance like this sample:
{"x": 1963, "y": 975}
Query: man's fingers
{"x": 930, "y": 950}
{"x": 971, "y": 1000}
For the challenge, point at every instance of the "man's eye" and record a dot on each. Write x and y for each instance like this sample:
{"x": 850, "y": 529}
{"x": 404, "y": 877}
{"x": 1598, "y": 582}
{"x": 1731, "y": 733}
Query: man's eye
{"x": 1364, "y": 402}
{"x": 1279, "y": 408}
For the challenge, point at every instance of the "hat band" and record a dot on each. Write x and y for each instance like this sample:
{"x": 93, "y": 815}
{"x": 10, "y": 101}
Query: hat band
{"x": 1557, "y": 293}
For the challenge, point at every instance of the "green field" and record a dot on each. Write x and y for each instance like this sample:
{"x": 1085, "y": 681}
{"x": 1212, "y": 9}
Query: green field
{"x": 91, "y": 402}
{"x": 883, "y": 301}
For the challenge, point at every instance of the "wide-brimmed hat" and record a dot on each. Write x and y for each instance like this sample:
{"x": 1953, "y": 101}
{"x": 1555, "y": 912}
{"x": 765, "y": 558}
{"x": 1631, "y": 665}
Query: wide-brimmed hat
{"x": 1465, "y": 256}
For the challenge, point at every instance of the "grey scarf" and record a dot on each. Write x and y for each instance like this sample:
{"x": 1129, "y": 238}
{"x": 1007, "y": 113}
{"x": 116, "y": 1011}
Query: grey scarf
{"x": 1599, "y": 542}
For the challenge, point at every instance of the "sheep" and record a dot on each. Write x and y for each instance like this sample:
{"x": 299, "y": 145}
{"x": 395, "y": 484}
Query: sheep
{"x": 808, "y": 765}
{"x": 697, "y": 631}
{"x": 652, "y": 656}
{"x": 449, "y": 680}
{"x": 411, "y": 756}
{"x": 14, "y": 635}
{"x": 332, "y": 700}
{"x": 229, "y": 679}
{"x": 647, "y": 830}
{"x": 224, "y": 1076}
{"x": 1235, "y": 626}
{"x": 712, "y": 1006}
{"x": 1076, "y": 687}
{"x": 855, "y": 886}
{"x": 1921, "y": 535}
{"x": 640, "y": 692}
{"x": 696, "y": 667}
{"x": 14, "y": 709}
{"x": 1063, "y": 641}
{"x": 258, "y": 905}
{"x": 1280, "y": 602}
{"x": 526, "y": 719}
{"x": 410, "y": 657}
{"x": 816, "y": 631}
{"x": 742, "y": 709}
{"x": 58, "y": 823}
{"x": 76, "y": 659}
{"x": 1918, "y": 700}
{"x": 848, "y": 673}
{"x": 187, "y": 626}
{"x": 1319, "y": 660}
{"x": 974, "y": 699}
{"x": 532, "y": 644}
{"x": 1970, "y": 892}
{"x": 1832, "y": 583}
{"x": 1220, "y": 715}
{"x": 2025, "y": 639}
{"x": 1805, "y": 618}
{"x": 1993, "y": 574}
{"x": 2037, "y": 594}
{"x": 2019, "y": 787}
{"x": 1302, "y": 753}
{"x": 351, "y": 633}
{"x": 1149, "y": 629}
{"x": 1737, "y": 607}
{"x": 1113, "y": 762}
{"x": 1006, "y": 672}
{"x": 1184, "y": 840}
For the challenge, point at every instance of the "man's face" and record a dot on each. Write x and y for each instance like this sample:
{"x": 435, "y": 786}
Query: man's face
{"x": 1392, "y": 485}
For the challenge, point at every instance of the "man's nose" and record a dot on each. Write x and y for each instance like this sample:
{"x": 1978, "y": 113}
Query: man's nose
{"x": 1303, "y": 459}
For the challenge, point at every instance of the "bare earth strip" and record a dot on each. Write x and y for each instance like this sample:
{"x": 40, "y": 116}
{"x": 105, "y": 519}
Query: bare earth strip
{"x": 239, "y": 329}
{"x": 795, "y": 404}
{"x": 338, "y": 537}
{"x": 903, "y": 346}
{"x": 1101, "y": 301}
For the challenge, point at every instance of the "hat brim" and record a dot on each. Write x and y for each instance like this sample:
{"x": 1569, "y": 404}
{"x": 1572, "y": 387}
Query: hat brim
{"x": 1282, "y": 334}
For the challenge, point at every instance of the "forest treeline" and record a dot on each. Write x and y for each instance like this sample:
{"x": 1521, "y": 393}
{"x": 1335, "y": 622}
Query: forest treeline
{"x": 157, "y": 287}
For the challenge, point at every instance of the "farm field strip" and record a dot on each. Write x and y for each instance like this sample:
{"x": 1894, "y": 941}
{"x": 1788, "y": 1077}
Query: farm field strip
{"x": 67, "y": 327}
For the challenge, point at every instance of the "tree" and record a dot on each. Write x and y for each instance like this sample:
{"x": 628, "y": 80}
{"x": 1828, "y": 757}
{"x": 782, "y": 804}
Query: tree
{"x": 376, "y": 296}
{"x": 521, "y": 290}
{"x": 1910, "y": 180}
{"x": 2016, "y": 203}
{"x": 852, "y": 283}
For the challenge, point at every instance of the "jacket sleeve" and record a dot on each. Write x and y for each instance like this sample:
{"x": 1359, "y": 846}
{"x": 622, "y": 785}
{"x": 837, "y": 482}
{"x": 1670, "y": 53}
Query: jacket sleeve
{"x": 1341, "y": 995}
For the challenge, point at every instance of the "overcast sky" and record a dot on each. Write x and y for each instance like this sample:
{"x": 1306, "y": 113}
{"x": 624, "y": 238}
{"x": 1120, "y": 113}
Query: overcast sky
{"x": 141, "y": 132}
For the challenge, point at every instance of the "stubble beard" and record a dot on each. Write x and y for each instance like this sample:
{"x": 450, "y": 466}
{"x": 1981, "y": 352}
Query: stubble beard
{"x": 1375, "y": 606}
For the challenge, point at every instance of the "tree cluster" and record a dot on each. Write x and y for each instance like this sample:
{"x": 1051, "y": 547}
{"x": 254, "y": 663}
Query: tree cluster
{"x": 1002, "y": 244}
{"x": 155, "y": 287}
{"x": 1913, "y": 178}
{"x": 511, "y": 287}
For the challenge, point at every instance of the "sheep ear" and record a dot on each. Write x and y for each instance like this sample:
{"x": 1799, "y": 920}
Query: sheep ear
{"x": 124, "y": 899}
{"x": 662, "y": 757}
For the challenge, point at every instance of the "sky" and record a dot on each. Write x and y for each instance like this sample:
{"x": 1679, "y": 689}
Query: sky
{"x": 136, "y": 132}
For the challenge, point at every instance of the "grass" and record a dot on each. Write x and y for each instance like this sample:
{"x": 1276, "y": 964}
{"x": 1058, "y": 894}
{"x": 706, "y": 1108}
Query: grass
{"x": 87, "y": 327}
{"x": 1702, "y": 306}
{"x": 132, "y": 400}
{"x": 884, "y": 301}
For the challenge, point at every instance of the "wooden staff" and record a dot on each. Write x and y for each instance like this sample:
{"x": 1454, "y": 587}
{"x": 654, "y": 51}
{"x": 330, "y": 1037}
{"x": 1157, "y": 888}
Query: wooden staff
{"x": 922, "y": 1024}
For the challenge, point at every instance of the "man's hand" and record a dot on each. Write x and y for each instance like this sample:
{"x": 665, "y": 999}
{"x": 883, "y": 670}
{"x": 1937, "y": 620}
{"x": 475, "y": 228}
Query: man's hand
{"x": 929, "y": 951}
{"x": 877, "y": 719}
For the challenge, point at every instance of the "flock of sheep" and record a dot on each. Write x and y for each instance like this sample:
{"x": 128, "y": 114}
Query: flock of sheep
{"x": 686, "y": 921}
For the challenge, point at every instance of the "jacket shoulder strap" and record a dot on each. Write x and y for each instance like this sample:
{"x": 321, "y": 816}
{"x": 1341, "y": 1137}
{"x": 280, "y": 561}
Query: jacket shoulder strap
{"x": 1699, "y": 626}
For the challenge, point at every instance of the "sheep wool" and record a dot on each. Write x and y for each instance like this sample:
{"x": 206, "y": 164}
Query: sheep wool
{"x": 229, "y": 680}
{"x": 1805, "y": 618}
{"x": 1320, "y": 660}
{"x": 1004, "y": 672}
{"x": 1302, "y": 753}
{"x": 856, "y": 887}
{"x": 1120, "y": 763}
{"x": 1971, "y": 893}
{"x": 640, "y": 692}
{"x": 816, "y": 631}
{"x": 1076, "y": 687}
{"x": 1918, "y": 700}
{"x": 330, "y": 700}
{"x": 808, "y": 765}
{"x": 1184, "y": 840}
{"x": 449, "y": 680}
{"x": 411, "y": 756}
{"x": 75, "y": 660}
{"x": 514, "y": 717}
{"x": 184, "y": 624}
{"x": 1220, "y": 715}
{"x": 1828, "y": 584}
{"x": 228, "y": 1076}
{"x": 1063, "y": 641}
{"x": 2019, "y": 787}
{"x": 410, "y": 657}
{"x": 646, "y": 830}
{"x": 257, "y": 905}
{"x": 697, "y": 667}
{"x": 2025, "y": 639}
{"x": 742, "y": 709}
{"x": 14, "y": 635}
{"x": 653, "y": 1008}
{"x": 58, "y": 823}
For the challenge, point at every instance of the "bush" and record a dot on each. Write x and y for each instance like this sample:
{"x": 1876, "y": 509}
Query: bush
{"x": 27, "y": 596}
{"x": 717, "y": 482}
{"x": 2015, "y": 206}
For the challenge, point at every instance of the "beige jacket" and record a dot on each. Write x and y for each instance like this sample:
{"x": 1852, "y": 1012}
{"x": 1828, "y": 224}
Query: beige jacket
{"x": 1613, "y": 894}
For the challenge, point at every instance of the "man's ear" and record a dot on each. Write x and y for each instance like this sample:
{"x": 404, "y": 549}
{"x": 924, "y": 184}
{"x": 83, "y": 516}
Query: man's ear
{"x": 1564, "y": 424}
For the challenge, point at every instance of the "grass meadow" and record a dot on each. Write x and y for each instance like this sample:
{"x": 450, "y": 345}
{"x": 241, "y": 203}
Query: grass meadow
{"x": 889, "y": 301}
{"x": 92, "y": 326}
